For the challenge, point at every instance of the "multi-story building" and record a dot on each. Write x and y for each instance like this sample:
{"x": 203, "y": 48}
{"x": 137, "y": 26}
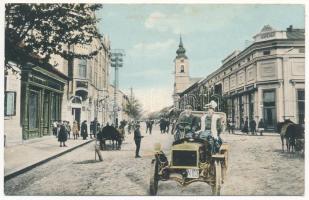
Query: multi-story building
{"x": 266, "y": 80}
{"x": 37, "y": 93}
{"x": 87, "y": 90}
{"x": 121, "y": 103}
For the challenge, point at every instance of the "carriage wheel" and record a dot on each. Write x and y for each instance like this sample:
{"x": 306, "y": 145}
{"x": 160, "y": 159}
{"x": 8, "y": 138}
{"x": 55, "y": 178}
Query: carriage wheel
{"x": 154, "y": 177}
{"x": 218, "y": 179}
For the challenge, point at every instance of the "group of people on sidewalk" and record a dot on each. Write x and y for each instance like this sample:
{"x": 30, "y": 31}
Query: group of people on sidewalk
{"x": 245, "y": 126}
{"x": 62, "y": 130}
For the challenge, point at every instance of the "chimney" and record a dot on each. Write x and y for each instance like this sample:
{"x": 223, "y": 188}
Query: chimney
{"x": 290, "y": 28}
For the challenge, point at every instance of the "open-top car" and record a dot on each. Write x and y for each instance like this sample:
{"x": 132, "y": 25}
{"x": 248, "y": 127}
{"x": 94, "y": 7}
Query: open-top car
{"x": 191, "y": 159}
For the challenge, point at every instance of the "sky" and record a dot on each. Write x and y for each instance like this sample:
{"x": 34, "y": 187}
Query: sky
{"x": 150, "y": 33}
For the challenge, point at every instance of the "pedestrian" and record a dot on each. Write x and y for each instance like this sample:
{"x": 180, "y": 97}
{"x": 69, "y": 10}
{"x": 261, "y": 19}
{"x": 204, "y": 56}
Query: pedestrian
{"x": 62, "y": 135}
{"x": 150, "y": 126}
{"x": 91, "y": 128}
{"x": 55, "y": 126}
{"x": 167, "y": 126}
{"x": 253, "y": 127}
{"x": 228, "y": 125}
{"x": 129, "y": 127}
{"x": 121, "y": 134}
{"x": 58, "y": 128}
{"x": 84, "y": 132}
{"x": 246, "y": 126}
{"x": 75, "y": 130}
{"x": 232, "y": 125}
{"x": 137, "y": 138}
{"x": 261, "y": 126}
{"x": 68, "y": 128}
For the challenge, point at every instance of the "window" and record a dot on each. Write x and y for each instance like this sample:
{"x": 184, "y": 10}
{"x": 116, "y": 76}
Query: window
{"x": 182, "y": 68}
{"x": 33, "y": 109}
{"x": 301, "y": 106}
{"x": 182, "y": 60}
{"x": 266, "y": 52}
{"x": 10, "y": 103}
{"x": 83, "y": 68}
{"x": 301, "y": 50}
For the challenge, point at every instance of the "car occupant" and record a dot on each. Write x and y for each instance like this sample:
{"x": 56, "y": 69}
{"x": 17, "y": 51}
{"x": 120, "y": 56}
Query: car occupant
{"x": 210, "y": 127}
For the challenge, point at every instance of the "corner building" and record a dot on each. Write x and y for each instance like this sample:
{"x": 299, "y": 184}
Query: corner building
{"x": 264, "y": 81}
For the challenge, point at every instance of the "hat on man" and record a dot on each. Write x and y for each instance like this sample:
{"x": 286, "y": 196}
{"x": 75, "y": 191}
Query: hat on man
{"x": 212, "y": 104}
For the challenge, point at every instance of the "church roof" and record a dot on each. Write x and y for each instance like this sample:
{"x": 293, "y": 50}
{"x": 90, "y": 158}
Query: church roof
{"x": 181, "y": 51}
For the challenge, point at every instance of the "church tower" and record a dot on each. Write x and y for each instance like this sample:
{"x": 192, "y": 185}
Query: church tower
{"x": 182, "y": 79}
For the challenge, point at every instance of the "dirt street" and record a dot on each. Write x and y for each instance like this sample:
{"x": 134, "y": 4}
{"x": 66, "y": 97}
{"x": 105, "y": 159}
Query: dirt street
{"x": 256, "y": 167}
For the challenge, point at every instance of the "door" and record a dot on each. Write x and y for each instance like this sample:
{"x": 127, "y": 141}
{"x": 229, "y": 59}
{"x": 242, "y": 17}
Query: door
{"x": 269, "y": 111}
{"x": 76, "y": 112}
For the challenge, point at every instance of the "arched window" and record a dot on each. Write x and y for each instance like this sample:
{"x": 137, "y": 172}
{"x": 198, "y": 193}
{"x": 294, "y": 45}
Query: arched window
{"x": 182, "y": 68}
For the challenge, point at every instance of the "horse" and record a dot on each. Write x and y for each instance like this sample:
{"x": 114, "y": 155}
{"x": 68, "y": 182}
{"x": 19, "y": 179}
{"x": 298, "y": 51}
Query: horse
{"x": 112, "y": 134}
{"x": 290, "y": 132}
{"x": 295, "y": 132}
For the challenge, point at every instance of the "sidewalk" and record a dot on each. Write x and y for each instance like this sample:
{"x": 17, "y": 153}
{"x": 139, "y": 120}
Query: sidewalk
{"x": 238, "y": 132}
{"x": 23, "y": 157}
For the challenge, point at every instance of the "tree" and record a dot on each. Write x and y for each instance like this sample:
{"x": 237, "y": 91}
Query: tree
{"x": 40, "y": 30}
{"x": 133, "y": 109}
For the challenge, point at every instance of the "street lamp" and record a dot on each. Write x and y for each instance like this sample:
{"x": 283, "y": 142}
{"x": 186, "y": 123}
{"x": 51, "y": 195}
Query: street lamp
{"x": 116, "y": 62}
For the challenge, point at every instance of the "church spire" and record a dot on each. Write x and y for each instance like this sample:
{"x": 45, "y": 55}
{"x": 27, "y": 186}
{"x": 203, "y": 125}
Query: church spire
{"x": 181, "y": 51}
{"x": 180, "y": 42}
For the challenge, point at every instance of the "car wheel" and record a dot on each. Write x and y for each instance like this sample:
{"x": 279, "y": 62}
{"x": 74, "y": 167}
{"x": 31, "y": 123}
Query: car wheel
{"x": 154, "y": 177}
{"x": 218, "y": 179}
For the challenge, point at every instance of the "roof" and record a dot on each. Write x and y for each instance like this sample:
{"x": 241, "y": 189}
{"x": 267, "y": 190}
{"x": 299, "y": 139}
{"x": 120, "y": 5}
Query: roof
{"x": 296, "y": 34}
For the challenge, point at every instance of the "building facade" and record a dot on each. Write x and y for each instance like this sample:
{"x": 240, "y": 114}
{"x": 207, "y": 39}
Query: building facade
{"x": 264, "y": 81}
{"x": 87, "y": 89}
{"x": 33, "y": 100}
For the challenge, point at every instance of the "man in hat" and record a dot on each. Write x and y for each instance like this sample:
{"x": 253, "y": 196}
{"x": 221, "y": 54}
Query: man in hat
{"x": 137, "y": 138}
{"x": 211, "y": 126}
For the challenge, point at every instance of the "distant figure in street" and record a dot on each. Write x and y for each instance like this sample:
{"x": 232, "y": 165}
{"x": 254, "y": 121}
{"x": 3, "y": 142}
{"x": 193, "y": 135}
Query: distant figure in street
{"x": 162, "y": 125}
{"x": 167, "y": 126}
{"x": 75, "y": 130}
{"x": 253, "y": 127}
{"x": 83, "y": 128}
{"x": 137, "y": 138}
{"x": 232, "y": 126}
{"x": 121, "y": 134}
{"x": 63, "y": 135}
{"x": 150, "y": 126}
{"x": 246, "y": 126}
{"x": 129, "y": 127}
{"x": 261, "y": 126}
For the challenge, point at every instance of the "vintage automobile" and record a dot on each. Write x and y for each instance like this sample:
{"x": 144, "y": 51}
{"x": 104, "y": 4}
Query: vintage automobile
{"x": 190, "y": 160}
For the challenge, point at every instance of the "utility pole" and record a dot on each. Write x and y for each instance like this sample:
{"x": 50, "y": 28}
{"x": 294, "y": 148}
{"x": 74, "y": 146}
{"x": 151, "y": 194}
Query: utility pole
{"x": 131, "y": 94}
{"x": 116, "y": 62}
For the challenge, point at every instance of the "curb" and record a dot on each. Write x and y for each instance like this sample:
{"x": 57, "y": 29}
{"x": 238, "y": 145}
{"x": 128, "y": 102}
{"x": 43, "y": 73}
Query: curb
{"x": 21, "y": 171}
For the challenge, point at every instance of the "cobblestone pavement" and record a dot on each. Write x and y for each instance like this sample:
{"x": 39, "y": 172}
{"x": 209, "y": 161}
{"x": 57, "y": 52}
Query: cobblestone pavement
{"x": 256, "y": 167}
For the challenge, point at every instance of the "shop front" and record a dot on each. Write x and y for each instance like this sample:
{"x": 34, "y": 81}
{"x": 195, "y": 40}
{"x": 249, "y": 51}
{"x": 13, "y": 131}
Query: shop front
{"x": 42, "y": 91}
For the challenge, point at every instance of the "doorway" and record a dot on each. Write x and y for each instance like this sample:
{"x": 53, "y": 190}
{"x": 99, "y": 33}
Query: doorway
{"x": 269, "y": 111}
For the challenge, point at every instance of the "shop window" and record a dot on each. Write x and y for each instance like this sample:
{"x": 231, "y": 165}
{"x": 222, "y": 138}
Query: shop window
{"x": 301, "y": 106}
{"x": 10, "y": 103}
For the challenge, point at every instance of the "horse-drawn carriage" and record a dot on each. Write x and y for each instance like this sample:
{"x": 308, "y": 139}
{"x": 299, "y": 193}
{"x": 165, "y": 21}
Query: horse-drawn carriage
{"x": 191, "y": 159}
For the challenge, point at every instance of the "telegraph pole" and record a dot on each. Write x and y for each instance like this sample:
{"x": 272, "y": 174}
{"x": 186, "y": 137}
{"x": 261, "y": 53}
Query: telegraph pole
{"x": 116, "y": 62}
